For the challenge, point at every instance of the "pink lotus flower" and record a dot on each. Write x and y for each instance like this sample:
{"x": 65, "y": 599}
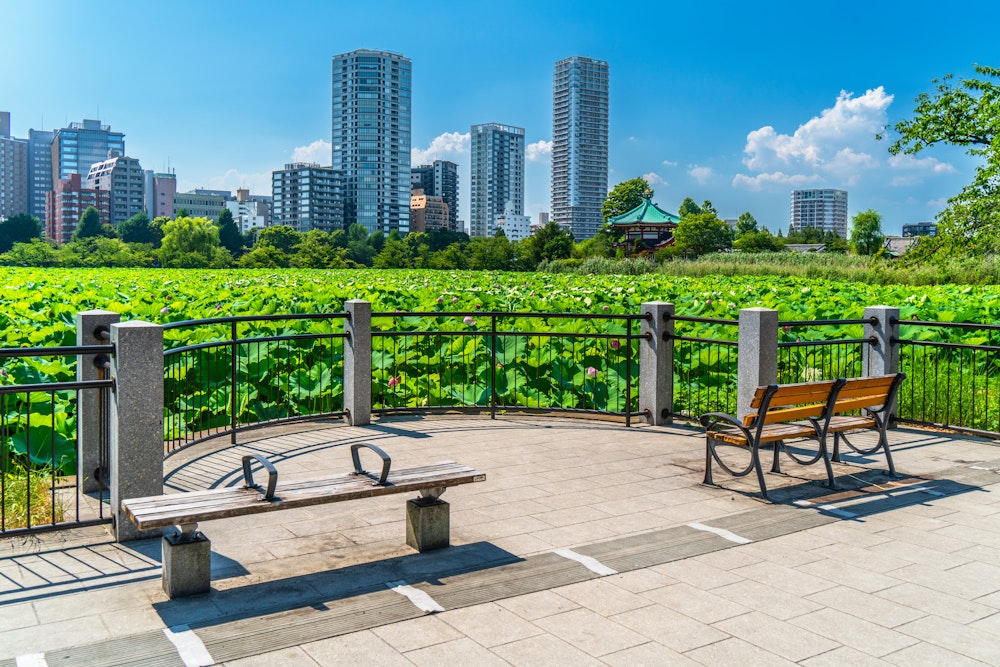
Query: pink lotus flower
{"x": 164, "y": 310}
{"x": 169, "y": 297}
{"x": 615, "y": 345}
{"x": 3, "y": 372}
{"x": 440, "y": 299}
{"x": 218, "y": 306}
{"x": 478, "y": 306}
{"x": 604, "y": 307}
{"x": 786, "y": 328}
{"x": 393, "y": 382}
{"x": 708, "y": 302}
{"x": 454, "y": 299}
{"x": 468, "y": 320}
{"x": 499, "y": 366}
{"x": 591, "y": 372}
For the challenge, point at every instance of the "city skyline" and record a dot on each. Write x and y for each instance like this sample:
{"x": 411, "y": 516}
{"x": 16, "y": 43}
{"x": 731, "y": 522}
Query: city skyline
{"x": 731, "y": 103}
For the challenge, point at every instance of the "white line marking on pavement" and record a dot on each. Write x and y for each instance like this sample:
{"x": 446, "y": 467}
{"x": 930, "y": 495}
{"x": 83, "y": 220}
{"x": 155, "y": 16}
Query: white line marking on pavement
{"x": 422, "y": 600}
{"x": 189, "y": 646}
{"x": 588, "y": 562}
{"x": 932, "y": 492}
{"x": 829, "y": 509}
{"x": 31, "y": 660}
{"x": 721, "y": 532}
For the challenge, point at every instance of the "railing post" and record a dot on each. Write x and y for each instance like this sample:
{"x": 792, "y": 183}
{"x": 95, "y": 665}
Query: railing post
{"x": 757, "y": 354}
{"x": 89, "y": 323}
{"x": 656, "y": 362}
{"x": 881, "y": 357}
{"x": 136, "y": 462}
{"x": 358, "y": 362}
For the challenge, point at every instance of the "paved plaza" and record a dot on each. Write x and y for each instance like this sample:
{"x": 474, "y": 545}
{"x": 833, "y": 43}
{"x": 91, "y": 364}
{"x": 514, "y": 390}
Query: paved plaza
{"x": 589, "y": 544}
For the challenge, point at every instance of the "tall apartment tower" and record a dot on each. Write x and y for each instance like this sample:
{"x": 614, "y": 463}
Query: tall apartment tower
{"x": 66, "y": 203}
{"x": 79, "y": 145}
{"x": 822, "y": 209}
{"x": 13, "y": 171}
{"x": 39, "y": 171}
{"x": 497, "y": 175}
{"x": 160, "y": 192}
{"x": 123, "y": 178}
{"x": 579, "y": 144}
{"x": 371, "y": 137}
{"x": 439, "y": 179}
{"x": 308, "y": 196}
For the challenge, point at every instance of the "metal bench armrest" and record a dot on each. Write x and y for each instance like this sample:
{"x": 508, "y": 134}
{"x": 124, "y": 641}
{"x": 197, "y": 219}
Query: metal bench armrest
{"x": 358, "y": 470}
{"x": 272, "y": 474}
{"x": 710, "y": 419}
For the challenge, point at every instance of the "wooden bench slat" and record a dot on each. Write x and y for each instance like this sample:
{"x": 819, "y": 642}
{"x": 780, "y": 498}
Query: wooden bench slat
{"x": 770, "y": 433}
{"x": 791, "y": 394}
{"x": 786, "y": 414}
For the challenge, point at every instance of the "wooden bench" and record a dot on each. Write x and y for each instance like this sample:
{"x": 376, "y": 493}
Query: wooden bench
{"x": 187, "y": 552}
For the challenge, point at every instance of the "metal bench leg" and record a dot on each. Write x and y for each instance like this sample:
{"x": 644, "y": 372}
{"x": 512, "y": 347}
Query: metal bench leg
{"x": 757, "y": 469}
{"x": 708, "y": 462}
{"x": 836, "y": 448}
{"x": 884, "y": 442}
{"x": 776, "y": 464}
{"x": 187, "y": 562}
{"x": 830, "y": 480}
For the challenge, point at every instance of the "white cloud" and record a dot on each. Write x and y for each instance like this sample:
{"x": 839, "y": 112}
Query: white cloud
{"x": 838, "y": 145}
{"x": 259, "y": 184}
{"x": 318, "y": 151}
{"x": 540, "y": 151}
{"x": 938, "y": 204}
{"x": 669, "y": 163}
{"x": 911, "y": 163}
{"x": 655, "y": 179}
{"x": 447, "y": 146}
{"x": 701, "y": 174}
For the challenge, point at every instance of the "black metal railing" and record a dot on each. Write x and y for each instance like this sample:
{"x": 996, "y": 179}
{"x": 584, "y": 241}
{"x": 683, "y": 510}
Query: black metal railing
{"x": 496, "y": 361}
{"x": 227, "y": 374}
{"x": 952, "y": 375}
{"x": 814, "y": 350}
{"x": 705, "y": 366}
{"x": 40, "y": 486}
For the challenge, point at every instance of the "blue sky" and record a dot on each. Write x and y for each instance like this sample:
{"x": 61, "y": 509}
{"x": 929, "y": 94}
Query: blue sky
{"x": 730, "y": 101}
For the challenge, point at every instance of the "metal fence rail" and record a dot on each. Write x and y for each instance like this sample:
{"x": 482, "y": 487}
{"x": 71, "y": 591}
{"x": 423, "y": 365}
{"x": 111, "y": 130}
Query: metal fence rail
{"x": 495, "y": 361}
{"x": 250, "y": 371}
{"x": 821, "y": 350}
{"x": 705, "y": 366}
{"x": 40, "y": 487}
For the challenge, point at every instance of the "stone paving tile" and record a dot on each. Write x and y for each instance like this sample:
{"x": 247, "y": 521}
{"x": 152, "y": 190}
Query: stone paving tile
{"x": 538, "y": 605}
{"x": 962, "y": 639}
{"x": 844, "y": 655}
{"x": 544, "y": 650}
{"x": 759, "y": 597}
{"x": 638, "y": 581}
{"x": 698, "y": 573}
{"x": 932, "y": 601}
{"x": 969, "y": 581}
{"x": 780, "y": 552}
{"x": 354, "y": 649}
{"x": 572, "y": 516}
{"x": 51, "y": 637}
{"x": 776, "y": 636}
{"x": 650, "y": 654}
{"x": 784, "y": 578}
{"x": 417, "y": 633}
{"x": 726, "y": 559}
{"x": 930, "y": 539}
{"x": 854, "y": 632}
{"x": 920, "y": 555}
{"x": 698, "y": 604}
{"x": 571, "y": 536}
{"x": 602, "y": 596}
{"x": 670, "y": 628}
{"x": 734, "y": 651}
{"x": 299, "y": 546}
{"x": 591, "y": 632}
{"x": 489, "y": 624}
{"x": 458, "y": 652}
{"x": 929, "y": 655}
{"x": 13, "y": 617}
{"x": 853, "y": 573}
{"x": 289, "y": 657}
{"x": 874, "y": 609}
{"x": 990, "y": 624}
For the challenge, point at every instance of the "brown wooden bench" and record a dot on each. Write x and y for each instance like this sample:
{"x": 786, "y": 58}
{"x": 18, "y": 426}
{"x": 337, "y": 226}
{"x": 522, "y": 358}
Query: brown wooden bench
{"x": 187, "y": 552}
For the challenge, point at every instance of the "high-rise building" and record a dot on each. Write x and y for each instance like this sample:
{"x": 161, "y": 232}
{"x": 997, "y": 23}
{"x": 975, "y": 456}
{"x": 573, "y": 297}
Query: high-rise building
{"x": 250, "y": 211}
{"x": 823, "y": 209}
{"x": 497, "y": 175}
{"x": 920, "y": 229}
{"x": 201, "y": 203}
{"x": 580, "y": 144}
{"x": 66, "y": 203}
{"x": 160, "y": 191}
{"x": 13, "y": 171}
{"x": 39, "y": 171}
{"x": 79, "y": 145}
{"x": 308, "y": 196}
{"x": 438, "y": 180}
{"x": 123, "y": 177}
{"x": 371, "y": 137}
{"x": 427, "y": 212}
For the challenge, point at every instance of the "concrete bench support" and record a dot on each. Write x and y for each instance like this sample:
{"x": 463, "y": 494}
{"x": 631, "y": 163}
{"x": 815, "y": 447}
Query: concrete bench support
{"x": 428, "y": 524}
{"x": 187, "y": 564}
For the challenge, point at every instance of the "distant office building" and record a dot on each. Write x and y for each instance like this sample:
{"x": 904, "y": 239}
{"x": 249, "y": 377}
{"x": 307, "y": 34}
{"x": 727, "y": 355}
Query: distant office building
{"x": 543, "y": 218}
{"x": 515, "y": 227}
{"x": 439, "y": 179}
{"x": 428, "y": 213}
{"x": 920, "y": 229}
{"x": 250, "y": 211}
{"x": 822, "y": 209}
{"x": 497, "y": 175}
{"x": 201, "y": 203}
{"x": 13, "y": 171}
{"x": 308, "y": 196}
{"x": 66, "y": 203}
{"x": 79, "y": 145}
{"x": 580, "y": 144}
{"x": 123, "y": 177}
{"x": 371, "y": 137}
{"x": 39, "y": 171}
{"x": 160, "y": 190}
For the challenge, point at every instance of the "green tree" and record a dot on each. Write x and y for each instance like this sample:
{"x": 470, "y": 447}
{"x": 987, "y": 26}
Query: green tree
{"x": 746, "y": 224}
{"x": 966, "y": 113}
{"x": 394, "y": 255}
{"x": 90, "y": 225}
{"x": 229, "y": 233}
{"x": 624, "y": 197}
{"x": 181, "y": 213}
{"x": 265, "y": 257}
{"x": 19, "y": 228}
{"x": 315, "y": 250}
{"x": 137, "y": 229}
{"x": 492, "y": 253}
{"x": 97, "y": 251}
{"x": 358, "y": 249}
{"x": 192, "y": 243}
{"x": 282, "y": 237}
{"x": 37, "y": 252}
{"x": 866, "y": 232}
{"x": 707, "y": 207}
{"x": 755, "y": 241}
{"x": 688, "y": 207}
{"x": 701, "y": 233}
{"x": 452, "y": 257}
{"x": 553, "y": 241}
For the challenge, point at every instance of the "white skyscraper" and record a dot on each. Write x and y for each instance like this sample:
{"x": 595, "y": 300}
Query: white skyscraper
{"x": 822, "y": 209}
{"x": 371, "y": 137}
{"x": 579, "y": 144}
{"x": 497, "y": 175}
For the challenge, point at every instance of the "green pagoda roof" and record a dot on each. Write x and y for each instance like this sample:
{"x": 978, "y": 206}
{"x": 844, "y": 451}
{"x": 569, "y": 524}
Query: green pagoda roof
{"x": 646, "y": 213}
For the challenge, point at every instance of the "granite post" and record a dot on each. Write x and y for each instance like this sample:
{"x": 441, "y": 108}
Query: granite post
{"x": 428, "y": 523}
{"x": 136, "y": 462}
{"x": 656, "y": 362}
{"x": 358, "y": 362}
{"x": 89, "y": 324}
{"x": 881, "y": 357}
{"x": 757, "y": 354}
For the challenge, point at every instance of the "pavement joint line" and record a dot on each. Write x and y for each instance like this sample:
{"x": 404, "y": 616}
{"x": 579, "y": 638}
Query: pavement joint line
{"x": 31, "y": 660}
{"x": 721, "y": 532}
{"x": 421, "y": 599}
{"x": 924, "y": 489}
{"x": 190, "y": 648}
{"x": 588, "y": 562}
{"x": 829, "y": 509}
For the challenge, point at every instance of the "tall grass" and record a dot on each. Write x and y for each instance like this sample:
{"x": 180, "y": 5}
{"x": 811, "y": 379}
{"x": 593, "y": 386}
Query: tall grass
{"x": 16, "y": 504}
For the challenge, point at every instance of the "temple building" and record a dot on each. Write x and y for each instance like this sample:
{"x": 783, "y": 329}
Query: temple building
{"x": 646, "y": 228}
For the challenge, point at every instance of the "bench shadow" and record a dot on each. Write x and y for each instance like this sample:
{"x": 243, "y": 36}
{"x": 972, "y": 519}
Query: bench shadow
{"x": 315, "y": 589}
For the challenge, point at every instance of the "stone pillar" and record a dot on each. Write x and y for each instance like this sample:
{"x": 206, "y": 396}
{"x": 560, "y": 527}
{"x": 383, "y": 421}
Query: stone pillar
{"x": 428, "y": 523}
{"x": 881, "y": 357}
{"x": 757, "y": 354}
{"x": 187, "y": 564}
{"x": 89, "y": 408}
{"x": 136, "y": 465}
{"x": 656, "y": 363}
{"x": 358, "y": 362}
